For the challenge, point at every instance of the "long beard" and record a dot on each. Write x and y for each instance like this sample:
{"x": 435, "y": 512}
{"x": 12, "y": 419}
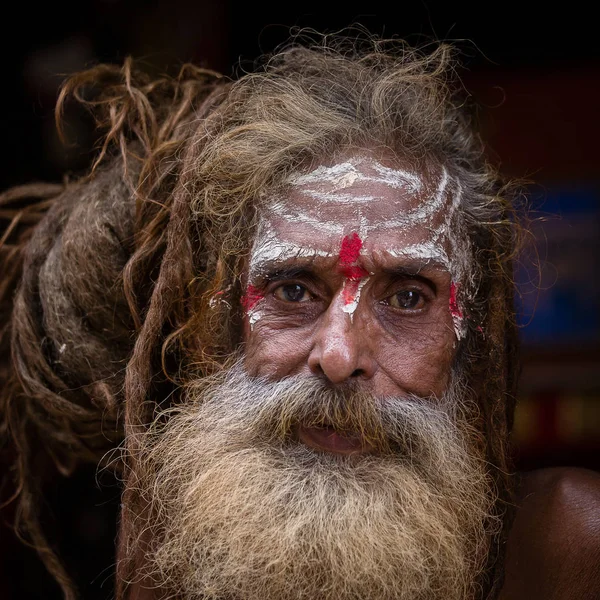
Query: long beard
{"x": 238, "y": 509}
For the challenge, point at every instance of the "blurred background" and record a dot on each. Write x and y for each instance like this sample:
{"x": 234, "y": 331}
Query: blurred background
{"x": 534, "y": 70}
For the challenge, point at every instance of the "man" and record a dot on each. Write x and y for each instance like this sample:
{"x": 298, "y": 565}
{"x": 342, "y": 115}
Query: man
{"x": 292, "y": 297}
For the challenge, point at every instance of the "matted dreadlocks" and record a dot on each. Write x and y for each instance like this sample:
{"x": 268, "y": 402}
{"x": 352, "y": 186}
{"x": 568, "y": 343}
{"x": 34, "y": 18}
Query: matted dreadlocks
{"x": 107, "y": 281}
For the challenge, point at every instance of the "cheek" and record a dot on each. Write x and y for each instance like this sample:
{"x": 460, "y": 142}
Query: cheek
{"x": 275, "y": 352}
{"x": 417, "y": 355}
{"x": 417, "y": 370}
{"x": 430, "y": 368}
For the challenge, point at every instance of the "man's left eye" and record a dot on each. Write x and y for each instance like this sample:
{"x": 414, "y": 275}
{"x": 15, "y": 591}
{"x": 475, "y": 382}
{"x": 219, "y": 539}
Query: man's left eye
{"x": 292, "y": 292}
{"x": 407, "y": 300}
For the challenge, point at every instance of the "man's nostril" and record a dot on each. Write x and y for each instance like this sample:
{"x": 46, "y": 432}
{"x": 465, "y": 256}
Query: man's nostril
{"x": 357, "y": 373}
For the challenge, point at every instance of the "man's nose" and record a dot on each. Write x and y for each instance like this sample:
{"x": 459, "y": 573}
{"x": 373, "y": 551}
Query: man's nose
{"x": 341, "y": 350}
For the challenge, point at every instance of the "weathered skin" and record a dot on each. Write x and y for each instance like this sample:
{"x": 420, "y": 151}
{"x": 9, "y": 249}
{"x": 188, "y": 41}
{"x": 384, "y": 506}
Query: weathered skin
{"x": 392, "y": 350}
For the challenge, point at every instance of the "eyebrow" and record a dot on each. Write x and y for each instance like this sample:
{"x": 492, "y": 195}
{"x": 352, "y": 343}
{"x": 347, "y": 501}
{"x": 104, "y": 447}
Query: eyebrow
{"x": 414, "y": 267}
{"x": 413, "y": 272}
{"x": 275, "y": 270}
{"x": 271, "y": 253}
{"x": 424, "y": 255}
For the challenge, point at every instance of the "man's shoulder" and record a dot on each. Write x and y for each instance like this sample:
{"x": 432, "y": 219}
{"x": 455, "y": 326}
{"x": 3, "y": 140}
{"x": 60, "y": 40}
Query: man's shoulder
{"x": 563, "y": 503}
{"x": 554, "y": 545}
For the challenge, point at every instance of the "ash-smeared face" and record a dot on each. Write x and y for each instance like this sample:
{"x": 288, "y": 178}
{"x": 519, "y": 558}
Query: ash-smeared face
{"x": 337, "y": 459}
{"x": 355, "y": 274}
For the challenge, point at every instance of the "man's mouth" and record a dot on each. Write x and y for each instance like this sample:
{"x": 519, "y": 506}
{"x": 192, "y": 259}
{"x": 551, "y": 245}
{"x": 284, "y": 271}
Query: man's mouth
{"x": 327, "y": 439}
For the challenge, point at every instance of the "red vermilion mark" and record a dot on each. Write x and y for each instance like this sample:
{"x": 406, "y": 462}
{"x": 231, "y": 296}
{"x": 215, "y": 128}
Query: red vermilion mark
{"x": 350, "y": 249}
{"x": 349, "y": 253}
{"x": 251, "y": 297}
{"x": 454, "y": 308}
{"x": 350, "y": 290}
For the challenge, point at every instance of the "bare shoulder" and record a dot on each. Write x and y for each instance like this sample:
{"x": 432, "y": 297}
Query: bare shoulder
{"x": 553, "y": 548}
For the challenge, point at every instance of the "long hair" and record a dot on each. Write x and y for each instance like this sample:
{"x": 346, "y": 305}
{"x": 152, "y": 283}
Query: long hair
{"x": 116, "y": 300}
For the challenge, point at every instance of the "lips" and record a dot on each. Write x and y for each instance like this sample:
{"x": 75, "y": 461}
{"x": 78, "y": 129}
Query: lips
{"x": 327, "y": 439}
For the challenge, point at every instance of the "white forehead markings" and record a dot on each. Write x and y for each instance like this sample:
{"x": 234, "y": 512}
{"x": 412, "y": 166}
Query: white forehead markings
{"x": 363, "y": 228}
{"x": 284, "y": 209}
{"x": 456, "y": 238}
{"x": 345, "y": 175}
{"x": 422, "y": 213}
{"x": 269, "y": 247}
{"x": 397, "y": 178}
{"x": 337, "y": 197}
{"x": 444, "y": 227}
{"x": 427, "y": 209}
{"x": 342, "y": 177}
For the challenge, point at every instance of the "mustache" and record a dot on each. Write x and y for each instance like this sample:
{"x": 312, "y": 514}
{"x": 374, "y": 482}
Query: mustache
{"x": 259, "y": 411}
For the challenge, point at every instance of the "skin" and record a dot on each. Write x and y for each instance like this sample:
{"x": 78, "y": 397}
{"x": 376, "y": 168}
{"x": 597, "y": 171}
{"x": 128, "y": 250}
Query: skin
{"x": 400, "y": 337}
{"x": 553, "y": 550}
{"x": 353, "y": 307}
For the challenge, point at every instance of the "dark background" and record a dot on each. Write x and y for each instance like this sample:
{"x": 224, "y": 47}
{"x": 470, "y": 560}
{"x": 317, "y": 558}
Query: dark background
{"x": 534, "y": 69}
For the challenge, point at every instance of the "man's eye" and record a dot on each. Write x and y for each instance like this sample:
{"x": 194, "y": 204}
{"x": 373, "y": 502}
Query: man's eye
{"x": 406, "y": 299}
{"x": 292, "y": 292}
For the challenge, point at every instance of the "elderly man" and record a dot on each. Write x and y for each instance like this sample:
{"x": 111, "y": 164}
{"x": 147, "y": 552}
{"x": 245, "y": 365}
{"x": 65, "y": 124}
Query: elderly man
{"x": 291, "y": 296}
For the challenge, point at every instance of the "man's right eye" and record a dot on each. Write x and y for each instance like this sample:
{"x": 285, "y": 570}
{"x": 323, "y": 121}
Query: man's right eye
{"x": 292, "y": 292}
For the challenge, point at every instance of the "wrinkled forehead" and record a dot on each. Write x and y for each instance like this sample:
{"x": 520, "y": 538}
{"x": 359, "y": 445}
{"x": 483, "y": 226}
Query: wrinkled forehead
{"x": 363, "y": 193}
{"x": 387, "y": 203}
{"x": 363, "y": 184}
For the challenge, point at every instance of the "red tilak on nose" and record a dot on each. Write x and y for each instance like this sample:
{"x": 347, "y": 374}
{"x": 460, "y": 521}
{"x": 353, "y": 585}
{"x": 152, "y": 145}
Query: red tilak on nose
{"x": 349, "y": 253}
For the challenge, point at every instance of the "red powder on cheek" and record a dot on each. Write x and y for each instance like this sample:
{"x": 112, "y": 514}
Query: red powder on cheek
{"x": 251, "y": 297}
{"x": 453, "y": 303}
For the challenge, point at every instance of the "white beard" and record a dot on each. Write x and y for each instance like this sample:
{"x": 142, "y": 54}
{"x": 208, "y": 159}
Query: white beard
{"x": 239, "y": 510}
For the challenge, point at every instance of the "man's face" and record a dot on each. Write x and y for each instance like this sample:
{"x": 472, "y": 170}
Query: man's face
{"x": 353, "y": 277}
{"x": 336, "y": 459}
